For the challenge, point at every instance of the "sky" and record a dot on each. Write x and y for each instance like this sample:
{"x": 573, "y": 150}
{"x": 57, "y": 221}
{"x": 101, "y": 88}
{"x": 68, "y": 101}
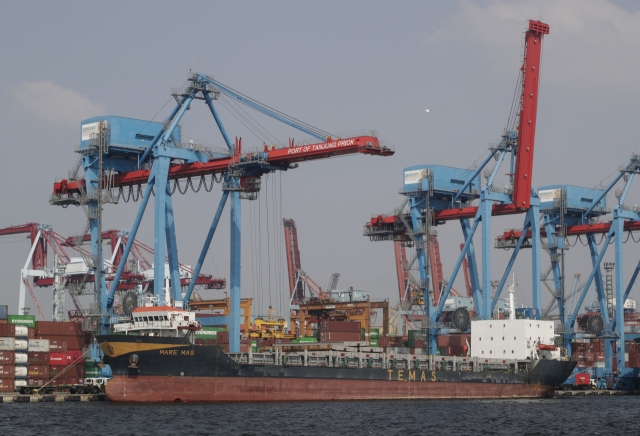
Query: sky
{"x": 340, "y": 66}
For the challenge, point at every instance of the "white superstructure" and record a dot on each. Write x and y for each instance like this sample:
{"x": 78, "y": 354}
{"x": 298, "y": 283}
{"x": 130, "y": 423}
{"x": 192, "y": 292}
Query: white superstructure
{"x": 512, "y": 338}
{"x": 159, "y": 321}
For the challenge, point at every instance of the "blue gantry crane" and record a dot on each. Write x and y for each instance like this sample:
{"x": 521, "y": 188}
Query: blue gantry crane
{"x": 436, "y": 194}
{"x": 120, "y": 153}
{"x": 578, "y": 211}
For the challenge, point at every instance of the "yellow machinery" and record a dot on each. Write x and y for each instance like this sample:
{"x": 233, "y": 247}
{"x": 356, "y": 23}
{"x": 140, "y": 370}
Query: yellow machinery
{"x": 270, "y": 329}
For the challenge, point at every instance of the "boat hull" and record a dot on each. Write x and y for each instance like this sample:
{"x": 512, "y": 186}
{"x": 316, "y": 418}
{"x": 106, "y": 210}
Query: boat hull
{"x": 156, "y": 369}
{"x": 252, "y": 389}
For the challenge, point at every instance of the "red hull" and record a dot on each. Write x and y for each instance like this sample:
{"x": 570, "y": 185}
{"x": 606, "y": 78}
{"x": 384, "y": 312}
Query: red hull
{"x": 257, "y": 389}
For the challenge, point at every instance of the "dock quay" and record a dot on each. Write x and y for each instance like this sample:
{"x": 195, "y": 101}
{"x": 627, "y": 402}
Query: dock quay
{"x": 52, "y": 398}
{"x": 574, "y": 393}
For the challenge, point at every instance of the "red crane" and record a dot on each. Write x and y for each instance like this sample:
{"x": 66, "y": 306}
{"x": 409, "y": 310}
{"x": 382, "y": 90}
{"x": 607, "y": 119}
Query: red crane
{"x": 528, "y": 107}
{"x": 296, "y": 290}
{"x": 406, "y": 286}
{"x": 528, "y": 111}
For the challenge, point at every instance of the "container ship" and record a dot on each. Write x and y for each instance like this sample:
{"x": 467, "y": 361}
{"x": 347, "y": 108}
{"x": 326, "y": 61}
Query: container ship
{"x": 157, "y": 358}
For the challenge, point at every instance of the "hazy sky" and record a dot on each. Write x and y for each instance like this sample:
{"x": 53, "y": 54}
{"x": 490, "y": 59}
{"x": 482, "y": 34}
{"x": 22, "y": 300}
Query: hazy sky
{"x": 341, "y": 66}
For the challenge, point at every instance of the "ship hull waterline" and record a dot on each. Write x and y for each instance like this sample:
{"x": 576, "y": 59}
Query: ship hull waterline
{"x": 252, "y": 389}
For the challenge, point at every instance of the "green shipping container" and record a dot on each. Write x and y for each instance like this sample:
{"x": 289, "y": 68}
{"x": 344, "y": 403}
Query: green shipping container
{"x": 307, "y": 339}
{"x": 373, "y": 342}
{"x": 441, "y": 351}
{"x": 24, "y": 320}
{"x": 92, "y": 372}
{"x": 214, "y": 328}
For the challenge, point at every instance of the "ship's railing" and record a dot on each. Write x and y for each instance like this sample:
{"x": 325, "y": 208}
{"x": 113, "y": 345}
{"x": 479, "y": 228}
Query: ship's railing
{"x": 350, "y": 359}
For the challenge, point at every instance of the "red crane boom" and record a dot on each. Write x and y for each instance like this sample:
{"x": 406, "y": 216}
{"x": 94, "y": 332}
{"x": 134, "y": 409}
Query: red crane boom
{"x": 528, "y": 111}
{"x": 277, "y": 157}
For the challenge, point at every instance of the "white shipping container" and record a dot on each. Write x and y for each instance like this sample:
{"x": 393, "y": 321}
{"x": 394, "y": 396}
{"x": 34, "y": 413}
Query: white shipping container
{"x": 39, "y": 345}
{"x": 21, "y": 358}
{"x": 21, "y": 345}
{"x": 7, "y": 344}
{"x": 20, "y": 383}
{"x": 21, "y": 371}
{"x": 21, "y": 331}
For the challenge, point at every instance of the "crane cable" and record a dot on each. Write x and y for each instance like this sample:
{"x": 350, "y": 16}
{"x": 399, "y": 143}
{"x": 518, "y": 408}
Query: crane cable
{"x": 243, "y": 120}
{"x": 247, "y": 116}
{"x": 266, "y": 202}
{"x": 316, "y": 130}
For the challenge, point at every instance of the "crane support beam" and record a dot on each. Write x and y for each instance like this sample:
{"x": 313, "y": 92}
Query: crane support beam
{"x": 205, "y": 248}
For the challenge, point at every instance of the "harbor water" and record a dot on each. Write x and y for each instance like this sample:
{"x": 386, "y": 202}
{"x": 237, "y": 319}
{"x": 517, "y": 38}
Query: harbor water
{"x": 594, "y": 415}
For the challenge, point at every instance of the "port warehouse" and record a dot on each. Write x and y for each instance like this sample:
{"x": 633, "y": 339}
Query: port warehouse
{"x": 446, "y": 193}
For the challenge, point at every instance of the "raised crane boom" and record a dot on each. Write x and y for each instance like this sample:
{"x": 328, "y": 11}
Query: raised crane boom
{"x": 528, "y": 111}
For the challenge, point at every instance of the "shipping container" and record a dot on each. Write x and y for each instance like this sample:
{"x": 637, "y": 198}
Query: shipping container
{"x": 7, "y": 385}
{"x": 223, "y": 337}
{"x": 21, "y": 345}
{"x": 21, "y": 358}
{"x": 57, "y": 359}
{"x": 56, "y": 346}
{"x": 383, "y": 341}
{"x": 7, "y": 357}
{"x": 21, "y": 331}
{"x": 41, "y": 345}
{"x": 20, "y": 371}
{"x": 38, "y": 357}
{"x": 583, "y": 379}
{"x": 207, "y": 334}
{"x": 24, "y": 320}
{"x": 340, "y": 336}
{"x": 72, "y": 342}
{"x": 38, "y": 371}
{"x": 4, "y": 312}
{"x": 340, "y": 326}
{"x": 7, "y": 371}
{"x": 74, "y": 356}
{"x": 91, "y": 372}
{"x": 7, "y": 331}
{"x": 68, "y": 381}
{"x": 53, "y": 328}
{"x": 70, "y": 371}
{"x": 7, "y": 344}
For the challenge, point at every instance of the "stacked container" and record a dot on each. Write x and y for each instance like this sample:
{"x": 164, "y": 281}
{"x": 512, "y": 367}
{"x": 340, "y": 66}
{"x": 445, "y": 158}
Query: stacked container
{"x": 7, "y": 356}
{"x": 66, "y": 340}
{"x": 339, "y": 331}
{"x": 13, "y": 356}
{"x": 374, "y": 337}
